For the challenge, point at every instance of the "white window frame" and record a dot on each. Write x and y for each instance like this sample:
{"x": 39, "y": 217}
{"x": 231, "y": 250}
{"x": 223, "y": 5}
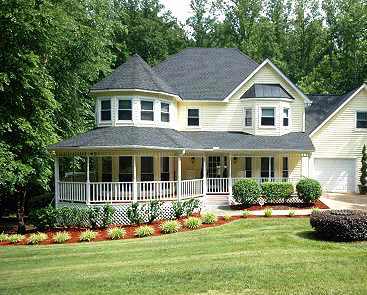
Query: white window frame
{"x": 187, "y": 117}
{"x": 275, "y": 117}
{"x": 245, "y": 117}
{"x": 143, "y": 99}
{"x": 355, "y": 120}
{"x": 289, "y": 117}
{"x": 118, "y": 109}
{"x": 100, "y": 110}
{"x": 169, "y": 111}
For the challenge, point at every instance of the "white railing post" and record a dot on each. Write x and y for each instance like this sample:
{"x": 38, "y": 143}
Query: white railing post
{"x": 57, "y": 179}
{"x": 205, "y": 181}
{"x": 230, "y": 176}
{"x": 87, "y": 197}
{"x": 179, "y": 178}
{"x": 269, "y": 169}
{"x": 135, "y": 185}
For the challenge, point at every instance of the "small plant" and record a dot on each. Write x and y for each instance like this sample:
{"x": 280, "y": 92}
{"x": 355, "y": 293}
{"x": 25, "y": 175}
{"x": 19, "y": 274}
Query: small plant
{"x": 144, "y": 231}
{"x": 116, "y": 233}
{"x": 87, "y": 236}
{"x": 193, "y": 223}
{"x": 246, "y": 213}
{"x": 268, "y": 212}
{"x": 4, "y": 237}
{"x": 178, "y": 209}
{"x": 227, "y": 217}
{"x": 315, "y": 209}
{"x": 209, "y": 218}
{"x": 16, "y": 238}
{"x": 191, "y": 205}
{"x": 170, "y": 226}
{"x": 61, "y": 237}
{"x": 107, "y": 215}
{"x": 36, "y": 238}
{"x": 291, "y": 213}
{"x": 152, "y": 210}
{"x": 134, "y": 214}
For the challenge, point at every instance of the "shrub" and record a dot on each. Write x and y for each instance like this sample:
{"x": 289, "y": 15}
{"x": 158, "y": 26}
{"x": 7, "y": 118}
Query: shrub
{"x": 16, "y": 238}
{"x": 308, "y": 190}
{"x": 72, "y": 217}
{"x": 227, "y": 217}
{"x": 193, "y": 222}
{"x": 178, "y": 209}
{"x": 274, "y": 191}
{"x": 291, "y": 213}
{"x": 209, "y": 218}
{"x": 144, "y": 231}
{"x": 116, "y": 233}
{"x": 170, "y": 226}
{"x": 246, "y": 213}
{"x": 246, "y": 191}
{"x": 152, "y": 210}
{"x": 191, "y": 205}
{"x": 36, "y": 238}
{"x": 340, "y": 225}
{"x": 315, "y": 209}
{"x": 134, "y": 214}
{"x": 61, "y": 237}
{"x": 87, "y": 236}
{"x": 107, "y": 215}
{"x": 93, "y": 214}
{"x": 43, "y": 218}
{"x": 268, "y": 212}
{"x": 4, "y": 237}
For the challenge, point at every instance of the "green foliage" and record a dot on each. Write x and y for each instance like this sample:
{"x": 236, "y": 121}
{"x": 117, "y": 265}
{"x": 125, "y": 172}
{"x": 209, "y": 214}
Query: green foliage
{"x": 144, "y": 231}
{"x": 291, "y": 213}
{"x": 36, "y": 238}
{"x": 134, "y": 214}
{"x": 268, "y": 212}
{"x": 87, "y": 236}
{"x": 107, "y": 215}
{"x": 315, "y": 209}
{"x": 363, "y": 177}
{"x": 61, "y": 237}
{"x": 246, "y": 191}
{"x": 170, "y": 226}
{"x": 274, "y": 191}
{"x": 209, "y": 218}
{"x": 15, "y": 238}
{"x": 246, "y": 213}
{"x": 191, "y": 205}
{"x": 152, "y": 210}
{"x": 178, "y": 208}
{"x": 227, "y": 217}
{"x": 193, "y": 223}
{"x": 116, "y": 233}
{"x": 4, "y": 237}
{"x": 44, "y": 218}
{"x": 308, "y": 190}
{"x": 93, "y": 214}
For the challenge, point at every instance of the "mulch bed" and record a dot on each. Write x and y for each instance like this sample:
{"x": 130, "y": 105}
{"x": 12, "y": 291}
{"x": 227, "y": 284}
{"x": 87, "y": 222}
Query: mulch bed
{"x": 290, "y": 206}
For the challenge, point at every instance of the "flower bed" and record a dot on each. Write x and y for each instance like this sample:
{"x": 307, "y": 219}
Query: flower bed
{"x": 284, "y": 206}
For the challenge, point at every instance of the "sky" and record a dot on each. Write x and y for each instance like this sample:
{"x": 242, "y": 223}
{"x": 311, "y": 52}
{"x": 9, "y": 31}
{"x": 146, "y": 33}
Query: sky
{"x": 179, "y": 8}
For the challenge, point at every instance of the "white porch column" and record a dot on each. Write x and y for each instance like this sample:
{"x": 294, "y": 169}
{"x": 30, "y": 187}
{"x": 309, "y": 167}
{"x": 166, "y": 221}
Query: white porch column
{"x": 205, "y": 182}
{"x": 171, "y": 168}
{"x": 179, "y": 178}
{"x": 57, "y": 179}
{"x": 230, "y": 175}
{"x": 157, "y": 167}
{"x": 270, "y": 168}
{"x": 135, "y": 185}
{"x": 87, "y": 191}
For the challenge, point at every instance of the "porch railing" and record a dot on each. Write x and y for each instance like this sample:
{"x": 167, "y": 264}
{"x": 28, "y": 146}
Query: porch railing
{"x": 156, "y": 190}
{"x": 72, "y": 191}
{"x": 192, "y": 188}
{"x": 104, "y": 192}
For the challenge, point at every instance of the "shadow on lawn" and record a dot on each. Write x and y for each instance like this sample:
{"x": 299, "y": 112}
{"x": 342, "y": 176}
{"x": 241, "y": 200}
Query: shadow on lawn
{"x": 308, "y": 235}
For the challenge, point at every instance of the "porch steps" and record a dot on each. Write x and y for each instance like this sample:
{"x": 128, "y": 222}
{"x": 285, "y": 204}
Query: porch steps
{"x": 217, "y": 200}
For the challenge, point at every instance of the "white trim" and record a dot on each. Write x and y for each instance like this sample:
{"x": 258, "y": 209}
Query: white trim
{"x": 279, "y": 72}
{"x": 338, "y": 109}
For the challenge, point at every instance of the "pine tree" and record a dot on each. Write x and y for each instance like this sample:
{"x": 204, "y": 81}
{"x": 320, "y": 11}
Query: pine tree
{"x": 363, "y": 178}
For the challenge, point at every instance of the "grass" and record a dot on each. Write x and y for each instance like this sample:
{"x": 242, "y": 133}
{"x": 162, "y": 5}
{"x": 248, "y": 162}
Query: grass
{"x": 249, "y": 256}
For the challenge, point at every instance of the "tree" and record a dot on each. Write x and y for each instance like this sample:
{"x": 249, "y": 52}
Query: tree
{"x": 363, "y": 178}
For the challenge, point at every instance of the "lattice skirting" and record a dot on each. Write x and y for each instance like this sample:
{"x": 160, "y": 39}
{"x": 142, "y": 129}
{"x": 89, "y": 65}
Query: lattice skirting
{"x": 120, "y": 215}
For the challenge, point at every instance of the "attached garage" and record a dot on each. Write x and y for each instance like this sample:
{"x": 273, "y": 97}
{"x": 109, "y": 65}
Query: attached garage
{"x": 336, "y": 175}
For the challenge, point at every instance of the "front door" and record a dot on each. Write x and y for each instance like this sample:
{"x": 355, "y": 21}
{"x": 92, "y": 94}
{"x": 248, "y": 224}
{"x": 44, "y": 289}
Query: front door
{"x": 217, "y": 174}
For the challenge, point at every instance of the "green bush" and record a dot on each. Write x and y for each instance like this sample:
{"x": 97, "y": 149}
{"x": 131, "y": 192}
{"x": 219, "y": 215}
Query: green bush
{"x": 4, "y": 237}
{"x": 268, "y": 212}
{"x": 87, "y": 236}
{"x": 191, "y": 205}
{"x": 36, "y": 238}
{"x": 308, "y": 190}
{"x": 107, "y": 215}
{"x": 291, "y": 213}
{"x": 16, "y": 238}
{"x": 170, "y": 226}
{"x": 93, "y": 214}
{"x": 246, "y": 191}
{"x": 209, "y": 218}
{"x": 274, "y": 191}
{"x": 246, "y": 213}
{"x": 144, "y": 231}
{"x": 193, "y": 222}
{"x": 227, "y": 217}
{"x": 44, "y": 218}
{"x": 116, "y": 233}
{"x": 178, "y": 209}
{"x": 61, "y": 237}
{"x": 134, "y": 214}
{"x": 152, "y": 210}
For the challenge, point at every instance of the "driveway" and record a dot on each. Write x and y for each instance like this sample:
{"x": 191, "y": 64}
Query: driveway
{"x": 345, "y": 200}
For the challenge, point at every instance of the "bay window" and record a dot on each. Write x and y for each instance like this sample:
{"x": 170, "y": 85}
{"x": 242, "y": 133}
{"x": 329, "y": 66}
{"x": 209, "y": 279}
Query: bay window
{"x": 248, "y": 117}
{"x": 147, "y": 110}
{"x": 106, "y": 110}
{"x": 286, "y": 117}
{"x": 267, "y": 116}
{"x": 125, "y": 110}
{"x": 164, "y": 112}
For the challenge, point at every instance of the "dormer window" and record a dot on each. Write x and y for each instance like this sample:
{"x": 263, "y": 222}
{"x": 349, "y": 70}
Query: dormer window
{"x": 106, "y": 110}
{"x": 164, "y": 112}
{"x": 286, "y": 117}
{"x": 361, "y": 120}
{"x": 267, "y": 116}
{"x": 147, "y": 110}
{"x": 125, "y": 110}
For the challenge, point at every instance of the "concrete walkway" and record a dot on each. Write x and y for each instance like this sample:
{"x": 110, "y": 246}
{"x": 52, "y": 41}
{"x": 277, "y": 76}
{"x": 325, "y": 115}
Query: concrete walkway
{"x": 345, "y": 201}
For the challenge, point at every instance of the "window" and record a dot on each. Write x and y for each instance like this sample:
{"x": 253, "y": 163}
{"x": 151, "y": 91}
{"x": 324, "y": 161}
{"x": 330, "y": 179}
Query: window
{"x": 164, "y": 112}
{"x": 106, "y": 110}
{"x": 107, "y": 169}
{"x": 126, "y": 169}
{"x": 147, "y": 111}
{"x": 193, "y": 117}
{"x": 146, "y": 171}
{"x": 248, "y": 167}
{"x": 267, "y": 117}
{"x": 286, "y": 117}
{"x": 248, "y": 117}
{"x": 285, "y": 167}
{"x": 125, "y": 110}
{"x": 361, "y": 120}
{"x": 267, "y": 170}
{"x": 165, "y": 168}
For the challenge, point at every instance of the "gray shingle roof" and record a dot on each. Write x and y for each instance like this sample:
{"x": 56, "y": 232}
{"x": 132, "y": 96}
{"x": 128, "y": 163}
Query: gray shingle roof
{"x": 206, "y": 73}
{"x": 135, "y": 73}
{"x": 265, "y": 91}
{"x": 132, "y": 137}
{"x": 322, "y": 107}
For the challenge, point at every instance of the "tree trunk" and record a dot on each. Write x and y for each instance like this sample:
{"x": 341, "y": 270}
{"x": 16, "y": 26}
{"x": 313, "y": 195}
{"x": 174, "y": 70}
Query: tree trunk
{"x": 20, "y": 211}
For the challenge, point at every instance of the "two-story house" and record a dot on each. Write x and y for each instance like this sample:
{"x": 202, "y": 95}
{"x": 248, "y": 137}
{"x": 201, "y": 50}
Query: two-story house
{"x": 203, "y": 118}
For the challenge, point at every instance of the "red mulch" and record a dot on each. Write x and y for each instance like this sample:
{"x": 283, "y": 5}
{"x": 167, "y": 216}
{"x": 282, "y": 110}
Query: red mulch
{"x": 290, "y": 206}
{"x": 129, "y": 230}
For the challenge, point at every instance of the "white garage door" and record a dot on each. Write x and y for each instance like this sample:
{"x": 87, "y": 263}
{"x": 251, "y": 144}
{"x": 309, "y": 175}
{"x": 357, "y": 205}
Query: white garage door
{"x": 335, "y": 175}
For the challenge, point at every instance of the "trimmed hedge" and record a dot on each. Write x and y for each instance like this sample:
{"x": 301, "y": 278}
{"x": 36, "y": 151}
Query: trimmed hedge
{"x": 340, "y": 225}
{"x": 274, "y": 191}
{"x": 308, "y": 190}
{"x": 246, "y": 191}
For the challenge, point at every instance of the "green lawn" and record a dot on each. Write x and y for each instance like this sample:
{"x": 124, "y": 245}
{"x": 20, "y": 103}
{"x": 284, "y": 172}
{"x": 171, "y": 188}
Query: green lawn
{"x": 255, "y": 256}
